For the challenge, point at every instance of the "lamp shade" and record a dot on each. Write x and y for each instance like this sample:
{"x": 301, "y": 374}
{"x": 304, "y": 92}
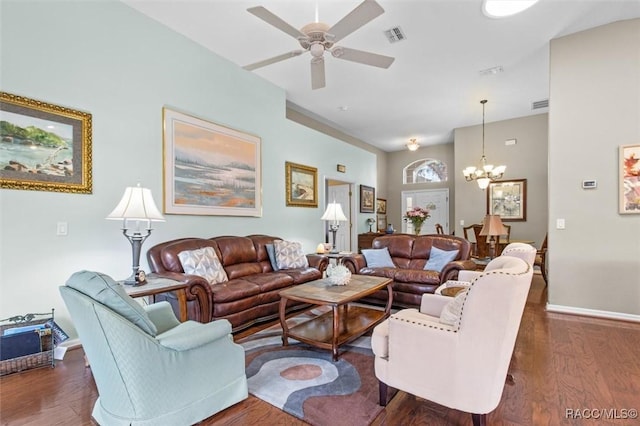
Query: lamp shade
{"x": 136, "y": 204}
{"x": 492, "y": 225}
{"x": 334, "y": 213}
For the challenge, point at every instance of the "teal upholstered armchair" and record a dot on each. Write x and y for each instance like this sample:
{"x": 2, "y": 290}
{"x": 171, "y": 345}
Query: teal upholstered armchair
{"x": 149, "y": 368}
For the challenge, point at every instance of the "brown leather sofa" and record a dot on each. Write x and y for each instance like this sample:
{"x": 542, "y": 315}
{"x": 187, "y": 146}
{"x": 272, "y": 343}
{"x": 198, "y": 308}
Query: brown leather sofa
{"x": 409, "y": 254}
{"x": 250, "y": 295}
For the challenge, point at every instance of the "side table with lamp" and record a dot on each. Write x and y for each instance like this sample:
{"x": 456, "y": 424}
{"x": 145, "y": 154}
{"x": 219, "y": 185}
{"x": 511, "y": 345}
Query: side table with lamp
{"x": 334, "y": 215}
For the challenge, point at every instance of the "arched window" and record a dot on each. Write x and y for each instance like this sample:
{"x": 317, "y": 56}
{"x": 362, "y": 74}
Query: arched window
{"x": 425, "y": 170}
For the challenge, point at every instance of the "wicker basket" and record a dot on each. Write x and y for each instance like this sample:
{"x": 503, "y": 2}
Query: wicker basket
{"x": 27, "y": 362}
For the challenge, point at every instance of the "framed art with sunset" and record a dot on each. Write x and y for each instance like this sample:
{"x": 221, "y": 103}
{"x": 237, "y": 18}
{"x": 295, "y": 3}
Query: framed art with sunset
{"x": 209, "y": 169}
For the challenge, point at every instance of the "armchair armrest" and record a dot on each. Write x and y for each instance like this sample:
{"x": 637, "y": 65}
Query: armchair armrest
{"x": 190, "y": 335}
{"x": 432, "y": 304}
{"x": 451, "y": 269}
{"x": 354, "y": 262}
{"x": 468, "y": 275}
{"x": 318, "y": 261}
{"x": 162, "y": 316}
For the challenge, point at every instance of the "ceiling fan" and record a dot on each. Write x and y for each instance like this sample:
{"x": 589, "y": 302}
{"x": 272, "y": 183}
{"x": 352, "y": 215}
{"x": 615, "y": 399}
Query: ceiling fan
{"x": 318, "y": 37}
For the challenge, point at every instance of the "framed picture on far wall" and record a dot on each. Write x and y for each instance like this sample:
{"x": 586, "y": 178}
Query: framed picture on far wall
{"x": 45, "y": 147}
{"x": 630, "y": 179}
{"x": 381, "y": 206}
{"x": 367, "y": 199}
{"x": 508, "y": 199}
{"x": 210, "y": 169}
{"x": 302, "y": 185}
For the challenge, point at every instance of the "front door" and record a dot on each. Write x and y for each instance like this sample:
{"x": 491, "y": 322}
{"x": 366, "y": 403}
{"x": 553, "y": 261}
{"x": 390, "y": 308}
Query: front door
{"x": 436, "y": 201}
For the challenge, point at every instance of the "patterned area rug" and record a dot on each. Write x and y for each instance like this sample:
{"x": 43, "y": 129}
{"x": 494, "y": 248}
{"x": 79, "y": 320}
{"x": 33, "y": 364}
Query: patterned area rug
{"x": 304, "y": 382}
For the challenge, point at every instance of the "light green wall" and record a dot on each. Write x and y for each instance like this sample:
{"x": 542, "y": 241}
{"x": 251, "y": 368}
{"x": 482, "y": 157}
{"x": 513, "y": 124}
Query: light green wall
{"x": 109, "y": 60}
{"x": 527, "y": 159}
{"x": 595, "y": 107}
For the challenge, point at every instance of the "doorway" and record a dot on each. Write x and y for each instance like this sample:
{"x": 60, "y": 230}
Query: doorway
{"x": 436, "y": 201}
{"x": 342, "y": 193}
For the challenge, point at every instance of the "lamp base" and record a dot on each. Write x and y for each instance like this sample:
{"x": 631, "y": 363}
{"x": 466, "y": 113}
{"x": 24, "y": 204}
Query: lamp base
{"x": 137, "y": 278}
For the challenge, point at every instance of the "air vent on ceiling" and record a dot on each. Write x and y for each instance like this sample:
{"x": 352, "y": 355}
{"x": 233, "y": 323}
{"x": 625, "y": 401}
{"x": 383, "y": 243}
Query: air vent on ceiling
{"x": 395, "y": 34}
{"x": 540, "y": 104}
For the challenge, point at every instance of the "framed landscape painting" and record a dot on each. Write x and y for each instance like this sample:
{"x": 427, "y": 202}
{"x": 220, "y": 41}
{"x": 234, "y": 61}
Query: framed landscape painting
{"x": 367, "y": 199}
{"x": 301, "y": 185}
{"x": 629, "y": 179}
{"x": 209, "y": 169}
{"x": 44, "y": 147}
{"x": 508, "y": 199}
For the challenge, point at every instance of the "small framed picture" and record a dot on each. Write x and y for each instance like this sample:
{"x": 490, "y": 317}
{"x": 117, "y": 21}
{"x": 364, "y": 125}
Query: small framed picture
{"x": 508, "y": 199}
{"x": 381, "y": 206}
{"x": 301, "y": 185}
{"x": 367, "y": 199}
{"x": 629, "y": 179}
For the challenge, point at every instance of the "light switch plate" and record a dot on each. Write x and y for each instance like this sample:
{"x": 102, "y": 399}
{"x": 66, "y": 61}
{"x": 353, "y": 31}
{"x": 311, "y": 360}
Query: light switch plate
{"x": 559, "y": 223}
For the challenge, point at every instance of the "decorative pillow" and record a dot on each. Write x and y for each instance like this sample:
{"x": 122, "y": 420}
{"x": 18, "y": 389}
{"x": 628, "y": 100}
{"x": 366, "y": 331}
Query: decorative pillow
{"x": 439, "y": 258}
{"x": 289, "y": 255}
{"x": 203, "y": 262}
{"x": 271, "y": 251}
{"x": 452, "y": 311}
{"x": 106, "y": 290}
{"x": 378, "y": 258}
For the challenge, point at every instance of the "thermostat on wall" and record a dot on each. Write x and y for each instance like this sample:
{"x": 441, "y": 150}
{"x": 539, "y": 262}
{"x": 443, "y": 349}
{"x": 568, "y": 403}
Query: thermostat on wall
{"x": 589, "y": 184}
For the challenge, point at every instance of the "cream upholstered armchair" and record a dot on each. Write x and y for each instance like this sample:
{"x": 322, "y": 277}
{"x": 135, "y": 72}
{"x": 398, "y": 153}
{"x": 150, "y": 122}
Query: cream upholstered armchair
{"x": 149, "y": 368}
{"x": 472, "y": 335}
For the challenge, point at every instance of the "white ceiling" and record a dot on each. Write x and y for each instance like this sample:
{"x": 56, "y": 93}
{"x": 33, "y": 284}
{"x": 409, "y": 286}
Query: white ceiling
{"x": 434, "y": 85}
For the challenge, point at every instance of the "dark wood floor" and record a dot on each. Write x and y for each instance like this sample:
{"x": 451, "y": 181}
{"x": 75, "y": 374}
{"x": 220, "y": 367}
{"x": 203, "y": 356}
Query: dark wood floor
{"x": 562, "y": 362}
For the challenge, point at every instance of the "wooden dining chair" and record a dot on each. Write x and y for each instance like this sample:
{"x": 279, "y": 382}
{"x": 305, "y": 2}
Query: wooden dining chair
{"x": 439, "y": 229}
{"x": 541, "y": 259}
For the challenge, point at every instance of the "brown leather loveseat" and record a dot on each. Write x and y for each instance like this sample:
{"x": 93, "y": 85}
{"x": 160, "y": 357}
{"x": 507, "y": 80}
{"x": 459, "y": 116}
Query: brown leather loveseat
{"x": 409, "y": 254}
{"x": 251, "y": 293}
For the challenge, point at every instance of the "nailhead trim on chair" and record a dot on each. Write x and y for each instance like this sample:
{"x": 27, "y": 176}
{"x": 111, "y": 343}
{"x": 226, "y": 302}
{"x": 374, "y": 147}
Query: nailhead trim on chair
{"x": 465, "y": 299}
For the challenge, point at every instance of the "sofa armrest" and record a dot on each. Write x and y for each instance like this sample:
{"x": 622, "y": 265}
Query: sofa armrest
{"x": 198, "y": 289}
{"x": 354, "y": 262}
{"x": 451, "y": 269}
{"x": 318, "y": 261}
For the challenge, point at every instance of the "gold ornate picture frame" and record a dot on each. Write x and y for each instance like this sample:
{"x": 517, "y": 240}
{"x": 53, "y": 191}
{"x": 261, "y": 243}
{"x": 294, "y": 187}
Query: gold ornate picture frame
{"x": 301, "y": 185}
{"x": 44, "y": 147}
{"x": 209, "y": 169}
{"x": 629, "y": 179}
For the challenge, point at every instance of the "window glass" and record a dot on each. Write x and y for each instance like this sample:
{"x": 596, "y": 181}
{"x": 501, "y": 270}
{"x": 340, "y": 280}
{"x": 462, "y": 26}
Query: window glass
{"x": 425, "y": 170}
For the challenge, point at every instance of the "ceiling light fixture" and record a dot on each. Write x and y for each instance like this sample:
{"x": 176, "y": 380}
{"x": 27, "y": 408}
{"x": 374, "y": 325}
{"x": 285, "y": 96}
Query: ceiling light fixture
{"x": 413, "y": 145}
{"x": 486, "y": 173}
{"x": 504, "y": 8}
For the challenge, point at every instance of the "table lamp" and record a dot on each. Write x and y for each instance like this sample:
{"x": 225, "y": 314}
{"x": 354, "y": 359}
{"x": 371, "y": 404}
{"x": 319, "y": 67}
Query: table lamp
{"x": 137, "y": 206}
{"x": 492, "y": 227}
{"x": 333, "y": 215}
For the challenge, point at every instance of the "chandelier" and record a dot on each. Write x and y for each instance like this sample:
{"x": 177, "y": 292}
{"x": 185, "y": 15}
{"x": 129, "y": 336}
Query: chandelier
{"x": 486, "y": 173}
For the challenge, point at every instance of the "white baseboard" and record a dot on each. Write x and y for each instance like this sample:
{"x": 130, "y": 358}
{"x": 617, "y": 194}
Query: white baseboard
{"x": 592, "y": 313}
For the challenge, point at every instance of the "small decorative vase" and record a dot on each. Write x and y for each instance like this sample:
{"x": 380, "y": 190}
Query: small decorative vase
{"x": 417, "y": 227}
{"x": 389, "y": 229}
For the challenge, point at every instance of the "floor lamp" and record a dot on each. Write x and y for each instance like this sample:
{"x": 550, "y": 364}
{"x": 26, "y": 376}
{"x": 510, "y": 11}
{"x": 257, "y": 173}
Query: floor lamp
{"x": 333, "y": 215}
{"x": 136, "y": 205}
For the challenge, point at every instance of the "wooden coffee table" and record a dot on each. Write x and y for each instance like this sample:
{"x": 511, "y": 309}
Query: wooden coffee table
{"x": 345, "y": 322}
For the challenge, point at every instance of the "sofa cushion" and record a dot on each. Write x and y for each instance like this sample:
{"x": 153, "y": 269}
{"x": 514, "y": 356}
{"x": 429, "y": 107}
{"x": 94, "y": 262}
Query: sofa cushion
{"x": 439, "y": 258}
{"x": 452, "y": 311}
{"x": 203, "y": 262}
{"x": 271, "y": 251}
{"x": 378, "y": 258}
{"x": 110, "y": 293}
{"x": 289, "y": 255}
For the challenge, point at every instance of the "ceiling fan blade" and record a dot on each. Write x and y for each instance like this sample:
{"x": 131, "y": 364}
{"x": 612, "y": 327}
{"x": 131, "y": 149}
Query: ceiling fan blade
{"x": 317, "y": 73}
{"x": 276, "y": 21}
{"x": 273, "y": 60}
{"x": 363, "y": 13}
{"x": 362, "y": 57}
